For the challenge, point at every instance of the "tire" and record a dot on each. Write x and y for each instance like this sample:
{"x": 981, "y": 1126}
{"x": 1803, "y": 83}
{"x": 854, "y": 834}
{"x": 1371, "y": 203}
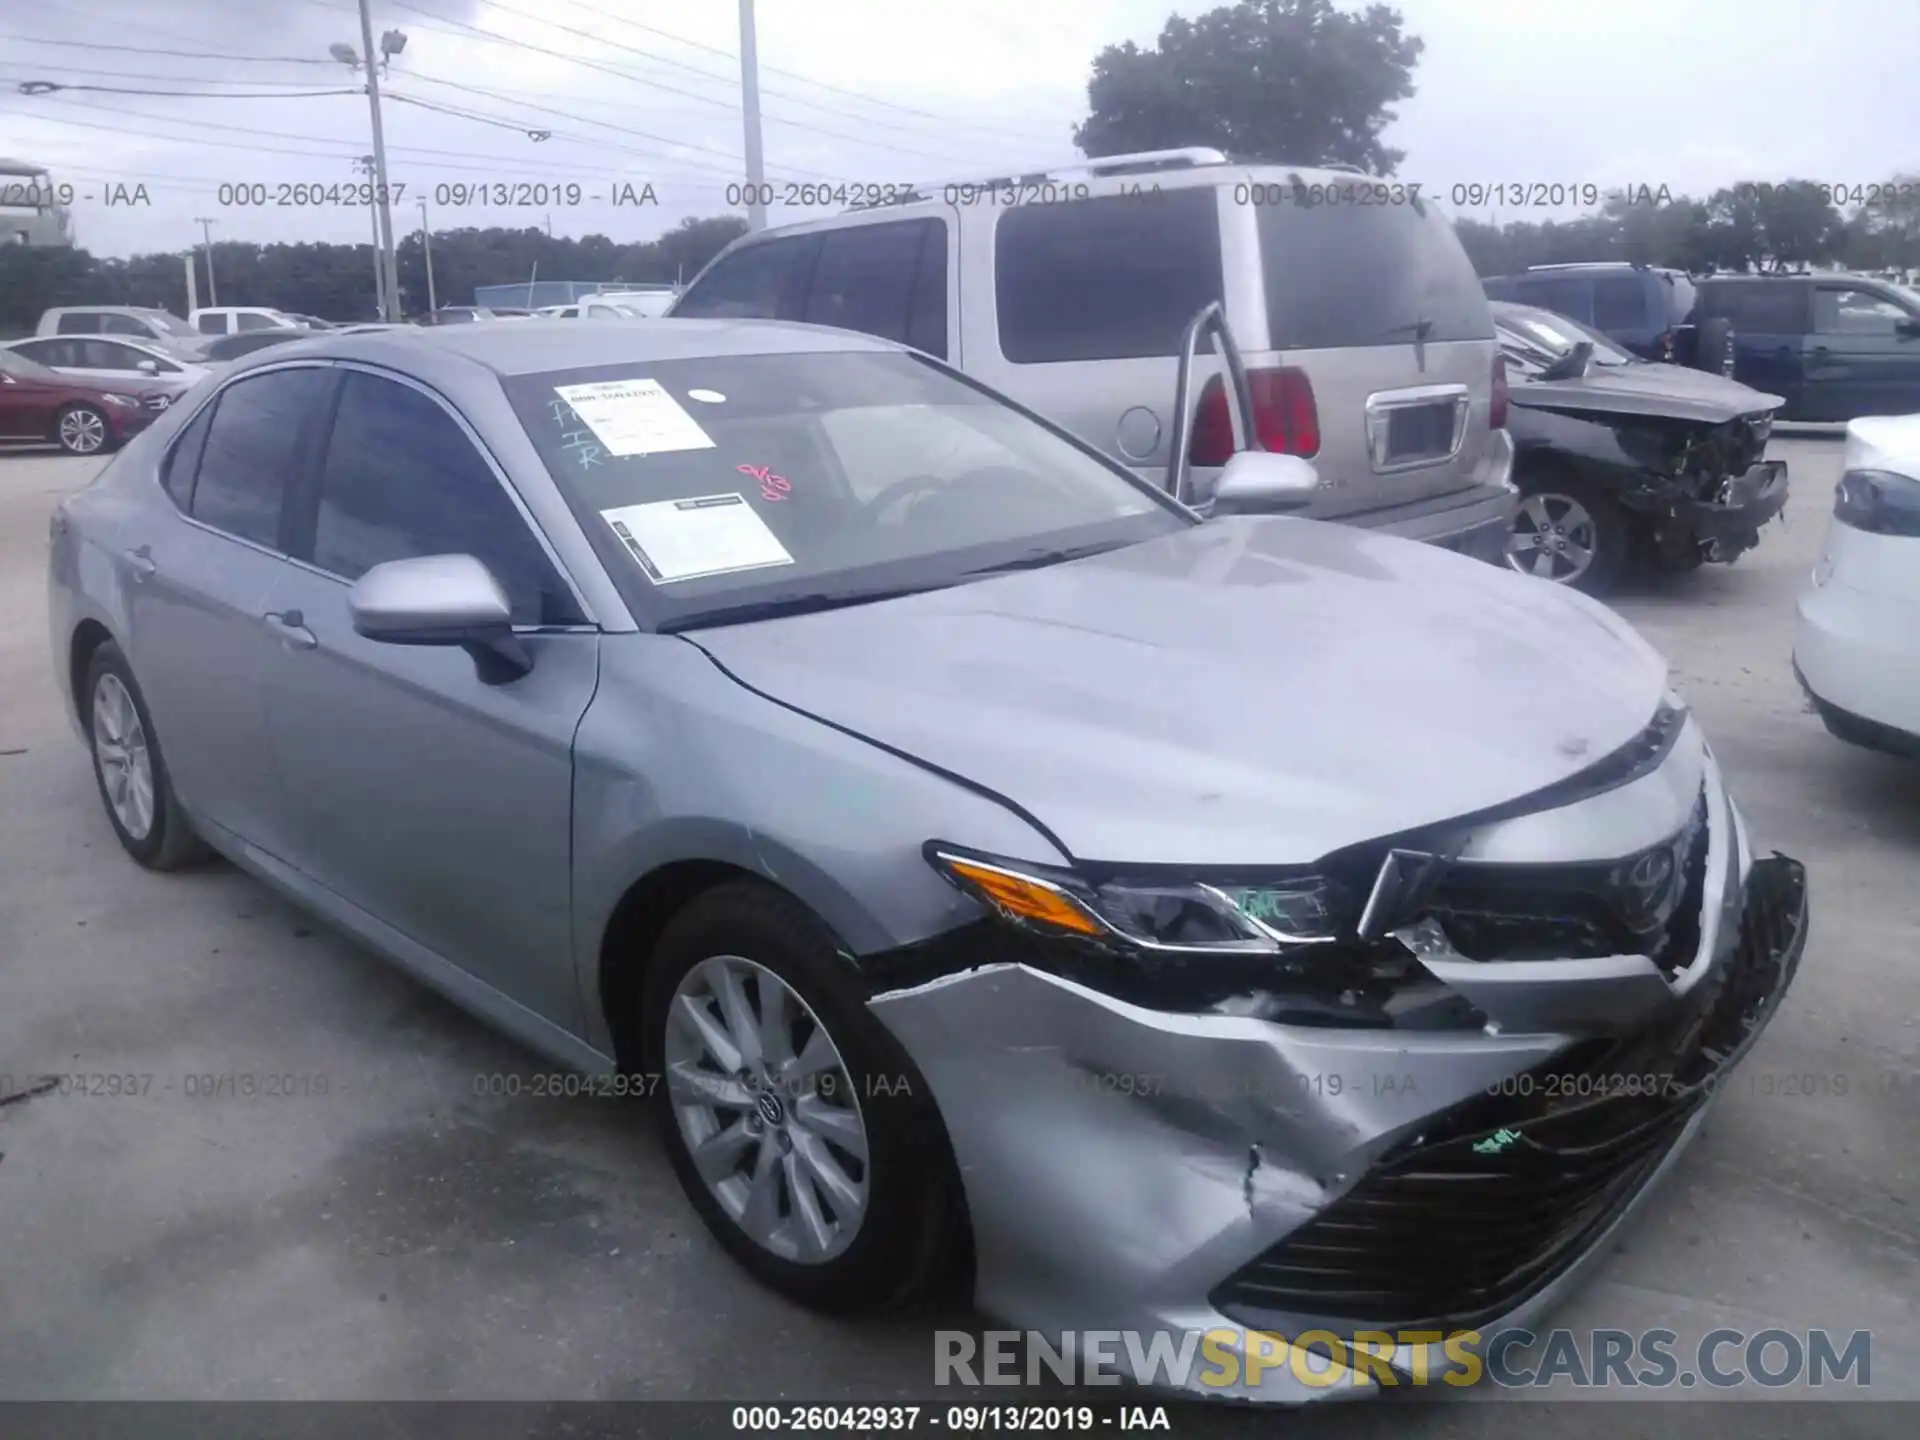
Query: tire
{"x": 115, "y": 714}
{"x": 1593, "y": 522}
{"x": 1713, "y": 346}
{"x": 905, "y": 1221}
{"x": 82, "y": 430}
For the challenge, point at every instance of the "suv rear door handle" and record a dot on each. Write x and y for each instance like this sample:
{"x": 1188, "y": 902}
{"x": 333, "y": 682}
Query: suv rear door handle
{"x": 140, "y": 566}
{"x": 291, "y": 627}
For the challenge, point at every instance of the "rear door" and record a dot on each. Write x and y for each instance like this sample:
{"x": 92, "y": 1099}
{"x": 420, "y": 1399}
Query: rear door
{"x": 1770, "y": 320}
{"x": 1865, "y": 354}
{"x": 1379, "y": 305}
{"x": 888, "y": 278}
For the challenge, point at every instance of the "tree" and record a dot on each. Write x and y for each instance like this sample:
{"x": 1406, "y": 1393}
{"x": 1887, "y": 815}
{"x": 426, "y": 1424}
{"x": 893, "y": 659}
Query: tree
{"x": 1293, "y": 80}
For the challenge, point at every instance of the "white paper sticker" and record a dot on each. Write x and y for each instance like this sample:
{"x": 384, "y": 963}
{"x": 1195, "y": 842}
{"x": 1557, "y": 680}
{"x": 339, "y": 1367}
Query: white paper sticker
{"x": 696, "y": 537}
{"x": 707, "y": 397}
{"x": 634, "y": 417}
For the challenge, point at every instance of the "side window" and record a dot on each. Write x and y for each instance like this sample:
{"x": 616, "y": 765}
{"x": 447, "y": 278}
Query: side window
{"x": 1620, "y": 303}
{"x": 1105, "y": 279}
{"x": 927, "y": 324}
{"x": 1565, "y": 296}
{"x": 1758, "y": 307}
{"x": 253, "y": 449}
{"x": 1855, "y": 312}
{"x": 79, "y": 325}
{"x": 123, "y": 325}
{"x": 212, "y": 324}
{"x": 864, "y": 279}
{"x": 56, "y": 353}
{"x": 764, "y": 282}
{"x": 402, "y": 479}
{"x": 254, "y": 322}
{"x": 106, "y": 355}
{"x": 177, "y": 470}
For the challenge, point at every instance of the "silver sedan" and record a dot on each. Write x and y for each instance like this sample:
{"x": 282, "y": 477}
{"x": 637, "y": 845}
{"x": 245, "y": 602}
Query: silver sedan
{"x": 1234, "y": 924}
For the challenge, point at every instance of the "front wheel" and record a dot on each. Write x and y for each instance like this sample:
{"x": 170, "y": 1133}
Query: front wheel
{"x": 81, "y": 430}
{"x": 1572, "y": 533}
{"x": 798, "y": 1127}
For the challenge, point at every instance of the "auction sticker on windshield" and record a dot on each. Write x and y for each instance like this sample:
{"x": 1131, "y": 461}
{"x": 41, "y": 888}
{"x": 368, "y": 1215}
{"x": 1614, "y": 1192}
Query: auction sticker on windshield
{"x": 634, "y": 417}
{"x": 693, "y": 538}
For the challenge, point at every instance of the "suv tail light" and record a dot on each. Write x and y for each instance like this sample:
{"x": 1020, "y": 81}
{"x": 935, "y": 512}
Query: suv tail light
{"x": 1878, "y": 502}
{"x": 1285, "y": 416}
{"x": 1497, "y": 412}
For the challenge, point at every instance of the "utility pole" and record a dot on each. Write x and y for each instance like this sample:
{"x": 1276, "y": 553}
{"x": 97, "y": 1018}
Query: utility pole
{"x": 365, "y": 163}
{"x": 193, "y": 283}
{"x": 750, "y": 113}
{"x": 390, "y": 267}
{"x": 426, "y": 244}
{"x": 206, "y": 229}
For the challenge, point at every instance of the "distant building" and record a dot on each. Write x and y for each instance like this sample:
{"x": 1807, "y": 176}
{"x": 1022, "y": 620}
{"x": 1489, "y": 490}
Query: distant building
{"x": 531, "y": 296}
{"x": 32, "y": 207}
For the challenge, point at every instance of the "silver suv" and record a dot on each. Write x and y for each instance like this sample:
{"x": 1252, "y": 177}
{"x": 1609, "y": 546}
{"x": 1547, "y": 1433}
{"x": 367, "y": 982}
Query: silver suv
{"x": 1366, "y": 336}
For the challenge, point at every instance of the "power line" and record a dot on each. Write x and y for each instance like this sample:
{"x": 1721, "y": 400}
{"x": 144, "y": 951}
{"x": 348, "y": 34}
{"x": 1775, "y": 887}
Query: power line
{"x": 179, "y": 54}
{"x": 473, "y": 115}
{"x": 655, "y": 84}
{"x": 48, "y": 87}
{"x": 861, "y": 95}
{"x": 57, "y": 67}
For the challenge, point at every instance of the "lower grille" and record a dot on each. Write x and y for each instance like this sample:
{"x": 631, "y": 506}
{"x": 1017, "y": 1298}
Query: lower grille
{"x": 1503, "y": 1194}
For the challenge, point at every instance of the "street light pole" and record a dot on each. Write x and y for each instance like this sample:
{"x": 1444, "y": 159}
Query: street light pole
{"x": 426, "y": 245}
{"x": 206, "y": 229}
{"x": 390, "y": 269}
{"x": 365, "y": 163}
{"x": 750, "y": 114}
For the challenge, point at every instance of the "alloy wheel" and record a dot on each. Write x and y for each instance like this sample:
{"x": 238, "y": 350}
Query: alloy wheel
{"x": 767, "y": 1109}
{"x": 1553, "y": 537}
{"x": 125, "y": 762}
{"x": 82, "y": 431}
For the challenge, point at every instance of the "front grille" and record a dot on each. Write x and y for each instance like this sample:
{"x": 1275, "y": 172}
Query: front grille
{"x": 1501, "y": 1195}
{"x": 1647, "y": 904}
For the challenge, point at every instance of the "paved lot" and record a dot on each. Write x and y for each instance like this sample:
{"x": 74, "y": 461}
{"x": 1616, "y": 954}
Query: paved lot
{"x": 403, "y": 1237}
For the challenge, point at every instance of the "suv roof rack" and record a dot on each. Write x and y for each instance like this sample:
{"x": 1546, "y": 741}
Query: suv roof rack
{"x": 1143, "y": 162}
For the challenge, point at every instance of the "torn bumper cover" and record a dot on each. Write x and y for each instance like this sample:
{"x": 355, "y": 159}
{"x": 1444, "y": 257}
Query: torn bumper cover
{"x": 1731, "y": 521}
{"x": 1129, "y": 1167}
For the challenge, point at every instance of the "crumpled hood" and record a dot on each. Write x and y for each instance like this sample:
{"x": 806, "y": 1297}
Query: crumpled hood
{"x": 1251, "y": 691}
{"x": 1673, "y": 391}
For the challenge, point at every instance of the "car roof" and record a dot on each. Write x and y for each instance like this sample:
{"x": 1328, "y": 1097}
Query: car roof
{"x": 535, "y": 346}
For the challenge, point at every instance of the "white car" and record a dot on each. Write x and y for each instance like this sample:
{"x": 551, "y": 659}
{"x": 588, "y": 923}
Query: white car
{"x": 1857, "y": 652}
{"x": 113, "y": 357}
{"x": 235, "y": 319}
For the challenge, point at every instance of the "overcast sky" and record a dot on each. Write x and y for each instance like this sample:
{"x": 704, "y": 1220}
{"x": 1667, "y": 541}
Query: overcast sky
{"x": 1692, "y": 94}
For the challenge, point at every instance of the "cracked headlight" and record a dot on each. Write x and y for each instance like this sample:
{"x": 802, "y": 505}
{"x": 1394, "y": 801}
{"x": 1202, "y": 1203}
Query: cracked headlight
{"x": 1189, "y": 915}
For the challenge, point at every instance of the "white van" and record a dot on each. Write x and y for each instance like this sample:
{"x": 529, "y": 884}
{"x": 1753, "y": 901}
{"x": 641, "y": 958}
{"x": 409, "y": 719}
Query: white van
{"x": 235, "y": 319}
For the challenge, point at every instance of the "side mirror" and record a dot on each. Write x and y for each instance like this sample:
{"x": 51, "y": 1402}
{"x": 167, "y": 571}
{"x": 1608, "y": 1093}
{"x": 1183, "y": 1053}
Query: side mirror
{"x": 441, "y": 600}
{"x": 1259, "y": 481}
{"x": 1573, "y": 365}
{"x": 148, "y": 367}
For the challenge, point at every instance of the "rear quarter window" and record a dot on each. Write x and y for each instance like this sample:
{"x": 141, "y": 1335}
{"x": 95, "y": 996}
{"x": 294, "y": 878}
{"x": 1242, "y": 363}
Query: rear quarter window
{"x": 1345, "y": 274}
{"x": 1116, "y": 277}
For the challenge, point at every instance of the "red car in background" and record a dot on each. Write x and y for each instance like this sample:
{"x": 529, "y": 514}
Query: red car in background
{"x": 82, "y": 418}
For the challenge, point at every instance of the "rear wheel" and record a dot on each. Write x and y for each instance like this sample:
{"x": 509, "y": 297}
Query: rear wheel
{"x": 798, "y": 1127}
{"x": 131, "y": 772}
{"x": 81, "y": 430}
{"x": 1570, "y": 532}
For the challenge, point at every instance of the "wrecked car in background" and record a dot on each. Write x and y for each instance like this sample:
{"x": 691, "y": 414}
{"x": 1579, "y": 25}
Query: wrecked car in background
{"x": 1625, "y": 463}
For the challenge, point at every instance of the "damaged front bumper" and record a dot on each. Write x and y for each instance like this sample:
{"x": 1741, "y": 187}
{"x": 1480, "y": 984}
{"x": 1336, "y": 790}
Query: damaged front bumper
{"x": 1729, "y": 524}
{"x": 1131, "y": 1168}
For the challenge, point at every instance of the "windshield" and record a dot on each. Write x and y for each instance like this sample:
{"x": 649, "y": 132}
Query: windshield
{"x": 1539, "y": 337}
{"x": 14, "y": 363}
{"x": 734, "y": 486}
{"x": 172, "y": 324}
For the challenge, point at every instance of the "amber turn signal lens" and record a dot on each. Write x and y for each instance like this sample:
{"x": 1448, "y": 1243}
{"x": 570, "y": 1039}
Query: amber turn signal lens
{"x": 1024, "y": 899}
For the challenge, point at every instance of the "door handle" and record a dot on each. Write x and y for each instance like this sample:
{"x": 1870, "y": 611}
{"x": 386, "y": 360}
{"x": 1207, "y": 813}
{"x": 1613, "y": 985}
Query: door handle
{"x": 291, "y": 627}
{"x": 140, "y": 566}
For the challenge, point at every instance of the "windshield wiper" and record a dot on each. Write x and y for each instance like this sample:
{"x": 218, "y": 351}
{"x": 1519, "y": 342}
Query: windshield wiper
{"x": 1039, "y": 559}
{"x": 792, "y": 605}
